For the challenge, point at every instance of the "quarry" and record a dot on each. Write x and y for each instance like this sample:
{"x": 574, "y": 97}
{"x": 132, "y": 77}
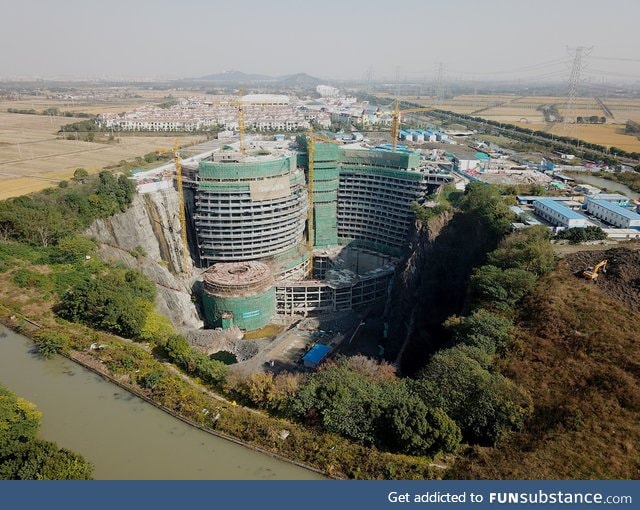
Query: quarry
{"x": 251, "y": 268}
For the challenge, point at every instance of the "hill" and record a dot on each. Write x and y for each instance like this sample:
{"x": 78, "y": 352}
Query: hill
{"x": 235, "y": 77}
{"x": 578, "y": 355}
{"x": 298, "y": 80}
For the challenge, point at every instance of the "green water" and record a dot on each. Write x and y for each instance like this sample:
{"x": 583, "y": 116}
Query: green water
{"x": 123, "y": 436}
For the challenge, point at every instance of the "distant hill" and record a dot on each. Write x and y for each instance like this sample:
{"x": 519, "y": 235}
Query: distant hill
{"x": 298, "y": 80}
{"x": 235, "y": 77}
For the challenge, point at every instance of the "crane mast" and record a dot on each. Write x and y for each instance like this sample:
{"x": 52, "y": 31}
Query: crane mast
{"x": 395, "y": 119}
{"x": 183, "y": 217}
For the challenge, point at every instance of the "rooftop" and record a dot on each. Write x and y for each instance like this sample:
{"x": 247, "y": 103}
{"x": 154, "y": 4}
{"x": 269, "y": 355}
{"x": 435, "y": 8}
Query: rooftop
{"x": 625, "y": 213}
{"x": 558, "y": 207}
{"x": 237, "y": 277}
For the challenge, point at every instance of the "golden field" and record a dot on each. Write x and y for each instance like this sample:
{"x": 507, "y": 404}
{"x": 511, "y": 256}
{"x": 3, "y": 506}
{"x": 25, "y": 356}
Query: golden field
{"x": 33, "y": 158}
{"x": 522, "y": 111}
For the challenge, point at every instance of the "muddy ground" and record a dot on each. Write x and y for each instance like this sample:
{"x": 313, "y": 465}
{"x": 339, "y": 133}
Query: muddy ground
{"x": 622, "y": 279}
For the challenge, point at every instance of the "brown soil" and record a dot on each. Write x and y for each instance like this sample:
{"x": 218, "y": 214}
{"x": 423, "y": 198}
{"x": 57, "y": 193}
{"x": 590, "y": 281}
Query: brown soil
{"x": 622, "y": 279}
{"x": 577, "y": 352}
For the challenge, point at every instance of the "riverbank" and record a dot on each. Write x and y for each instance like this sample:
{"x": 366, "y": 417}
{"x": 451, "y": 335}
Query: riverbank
{"x": 123, "y": 436}
{"x": 611, "y": 182}
{"x": 100, "y": 369}
{"x": 326, "y": 454}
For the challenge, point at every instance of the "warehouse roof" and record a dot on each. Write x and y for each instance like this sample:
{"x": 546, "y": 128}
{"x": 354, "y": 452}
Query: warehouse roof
{"x": 554, "y": 205}
{"x": 625, "y": 213}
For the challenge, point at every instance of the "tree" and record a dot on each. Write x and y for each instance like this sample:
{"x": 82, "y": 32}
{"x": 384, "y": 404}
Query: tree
{"x": 115, "y": 301}
{"x": 44, "y": 460}
{"x": 528, "y": 249}
{"x": 80, "y": 174}
{"x": 23, "y": 456}
{"x": 343, "y": 401}
{"x": 501, "y": 289}
{"x": 580, "y": 235}
{"x": 482, "y": 329}
{"x": 50, "y": 343}
{"x": 74, "y": 248}
{"x": 411, "y": 427}
{"x": 485, "y": 405}
{"x": 19, "y": 421}
{"x": 488, "y": 205}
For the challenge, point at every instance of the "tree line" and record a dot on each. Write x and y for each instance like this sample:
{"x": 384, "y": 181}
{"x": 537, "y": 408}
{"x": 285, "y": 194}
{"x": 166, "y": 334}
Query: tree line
{"x": 587, "y": 150}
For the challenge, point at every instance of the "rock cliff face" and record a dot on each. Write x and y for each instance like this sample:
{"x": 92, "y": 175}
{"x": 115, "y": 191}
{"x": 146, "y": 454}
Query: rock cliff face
{"x": 431, "y": 285}
{"x": 147, "y": 237}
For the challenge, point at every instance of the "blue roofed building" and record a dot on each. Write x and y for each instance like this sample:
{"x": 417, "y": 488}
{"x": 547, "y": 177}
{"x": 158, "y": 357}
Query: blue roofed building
{"x": 558, "y": 214}
{"x": 613, "y": 214}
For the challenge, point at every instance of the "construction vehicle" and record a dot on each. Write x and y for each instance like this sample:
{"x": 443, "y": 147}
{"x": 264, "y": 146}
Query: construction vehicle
{"x": 594, "y": 272}
{"x": 395, "y": 119}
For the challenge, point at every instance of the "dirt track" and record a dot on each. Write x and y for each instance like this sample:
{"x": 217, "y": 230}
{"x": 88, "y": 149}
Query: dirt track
{"x": 622, "y": 279}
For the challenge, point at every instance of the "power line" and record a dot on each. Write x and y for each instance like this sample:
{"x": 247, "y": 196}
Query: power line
{"x": 439, "y": 85}
{"x": 620, "y": 59}
{"x": 532, "y": 67}
{"x": 569, "y": 125}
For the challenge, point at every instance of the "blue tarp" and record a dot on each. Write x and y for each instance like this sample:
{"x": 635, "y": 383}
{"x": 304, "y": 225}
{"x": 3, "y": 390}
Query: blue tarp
{"x": 317, "y": 353}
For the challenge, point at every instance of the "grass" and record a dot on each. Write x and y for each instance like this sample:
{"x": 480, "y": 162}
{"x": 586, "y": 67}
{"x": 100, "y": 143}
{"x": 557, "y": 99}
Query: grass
{"x": 578, "y": 356}
{"x": 133, "y": 365}
{"x": 270, "y": 330}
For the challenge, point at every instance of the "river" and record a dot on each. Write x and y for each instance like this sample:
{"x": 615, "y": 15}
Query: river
{"x": 124, "y": 437}
{"x": 586, "y": 178}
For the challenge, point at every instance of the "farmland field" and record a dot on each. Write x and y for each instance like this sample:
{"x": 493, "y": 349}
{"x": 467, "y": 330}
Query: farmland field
{"x": 522, "y": 111}
{"x": 33, "y": 156}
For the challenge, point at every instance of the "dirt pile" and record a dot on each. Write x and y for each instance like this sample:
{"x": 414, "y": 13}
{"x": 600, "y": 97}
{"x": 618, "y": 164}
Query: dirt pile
{"x": 622, "y": 279}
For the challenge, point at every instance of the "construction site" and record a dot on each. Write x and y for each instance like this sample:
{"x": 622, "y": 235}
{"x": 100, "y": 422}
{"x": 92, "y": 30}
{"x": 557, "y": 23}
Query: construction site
{"x": 314, "y": 229}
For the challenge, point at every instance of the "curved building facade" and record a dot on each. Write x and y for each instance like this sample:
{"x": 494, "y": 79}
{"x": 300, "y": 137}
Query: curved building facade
{"x": 374, "y": 199}
{"x": 240, "y": 293}
{"x": 248, "y": 206}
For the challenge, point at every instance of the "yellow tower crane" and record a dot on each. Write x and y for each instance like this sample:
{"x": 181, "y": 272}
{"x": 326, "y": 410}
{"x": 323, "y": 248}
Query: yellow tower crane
{"x": 241, "y": 115}
{"x": 395, "y": 119}
{"x": 177, "y": 161}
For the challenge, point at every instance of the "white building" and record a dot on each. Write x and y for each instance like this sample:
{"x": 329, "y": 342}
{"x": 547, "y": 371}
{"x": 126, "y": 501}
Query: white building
{"x": 327, "y": 91}
{"x": 558, "y": 214}
{"x": 613, "y": 214}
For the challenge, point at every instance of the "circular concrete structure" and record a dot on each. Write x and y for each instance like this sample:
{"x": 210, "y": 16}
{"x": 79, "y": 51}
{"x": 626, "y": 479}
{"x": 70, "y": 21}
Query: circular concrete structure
{"x": 248, "y": 206}
{"x": 240, "y": 293}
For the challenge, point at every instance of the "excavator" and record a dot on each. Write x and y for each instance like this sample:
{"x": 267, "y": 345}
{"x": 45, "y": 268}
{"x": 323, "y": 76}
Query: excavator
{"x": 593, "y": 273}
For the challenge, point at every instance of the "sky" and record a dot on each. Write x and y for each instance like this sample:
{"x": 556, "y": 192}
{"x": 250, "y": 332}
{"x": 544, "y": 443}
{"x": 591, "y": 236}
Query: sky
{"x": 401, "y": 40}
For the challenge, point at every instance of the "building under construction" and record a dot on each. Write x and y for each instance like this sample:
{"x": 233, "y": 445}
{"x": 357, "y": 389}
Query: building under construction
{"x": 249, "y": 211}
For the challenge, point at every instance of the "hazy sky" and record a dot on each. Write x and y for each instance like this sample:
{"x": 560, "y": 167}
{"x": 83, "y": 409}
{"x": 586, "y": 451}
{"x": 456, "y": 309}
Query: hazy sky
{"x": 333, "y": 39}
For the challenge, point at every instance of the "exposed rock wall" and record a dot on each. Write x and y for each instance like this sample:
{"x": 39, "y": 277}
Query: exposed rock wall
{"x": 431, "y": 285}
{"x": 150, "y": 229}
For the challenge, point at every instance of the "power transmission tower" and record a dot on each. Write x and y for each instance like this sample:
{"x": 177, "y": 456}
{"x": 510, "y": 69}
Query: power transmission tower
{"x": 438, "y": 92}
{"x": 369, "y": 79}
{"x": 569, "y": 124}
